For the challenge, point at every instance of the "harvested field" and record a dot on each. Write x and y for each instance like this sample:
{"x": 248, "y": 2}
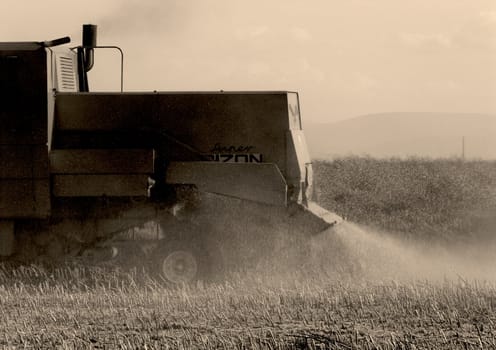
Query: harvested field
{"x": 75, "y": 308}
{"x": 413, "y": 268}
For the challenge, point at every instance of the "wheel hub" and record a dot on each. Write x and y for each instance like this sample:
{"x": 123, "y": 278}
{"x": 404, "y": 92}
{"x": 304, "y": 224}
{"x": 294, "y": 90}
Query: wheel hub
{"x": 180, "y": 267}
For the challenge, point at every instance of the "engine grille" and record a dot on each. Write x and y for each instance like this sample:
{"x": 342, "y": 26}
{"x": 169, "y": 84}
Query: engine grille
{"x": 66, "y": 73}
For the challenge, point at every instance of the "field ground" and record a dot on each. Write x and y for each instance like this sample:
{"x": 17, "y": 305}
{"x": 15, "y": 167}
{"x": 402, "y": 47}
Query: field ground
{"x": 76, "y": 308}
{"x": 397, "y": 294}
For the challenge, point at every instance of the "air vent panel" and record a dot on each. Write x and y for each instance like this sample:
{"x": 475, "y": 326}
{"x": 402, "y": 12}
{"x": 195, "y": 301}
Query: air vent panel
{"x": 66, "y": 72}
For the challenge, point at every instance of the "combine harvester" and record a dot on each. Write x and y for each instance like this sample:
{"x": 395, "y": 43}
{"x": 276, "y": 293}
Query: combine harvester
{"x": 213, "y": 170}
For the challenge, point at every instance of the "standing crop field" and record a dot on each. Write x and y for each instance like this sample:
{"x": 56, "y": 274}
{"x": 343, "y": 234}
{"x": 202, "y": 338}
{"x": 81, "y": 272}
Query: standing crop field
{"x": 379, "y": 281}
{"x": 444, "y": 199}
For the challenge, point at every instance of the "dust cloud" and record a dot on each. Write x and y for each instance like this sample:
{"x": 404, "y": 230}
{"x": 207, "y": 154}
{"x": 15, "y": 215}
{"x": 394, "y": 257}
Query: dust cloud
{"x": 368, "y": 254}
{"x": 279, "y": 250}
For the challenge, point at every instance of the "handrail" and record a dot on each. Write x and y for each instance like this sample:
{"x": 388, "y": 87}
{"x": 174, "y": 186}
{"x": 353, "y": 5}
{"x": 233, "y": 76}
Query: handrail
{"x": 122, "y": 60}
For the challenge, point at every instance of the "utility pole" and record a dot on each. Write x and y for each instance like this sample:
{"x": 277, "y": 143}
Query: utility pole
{"x": 463, "y": 147}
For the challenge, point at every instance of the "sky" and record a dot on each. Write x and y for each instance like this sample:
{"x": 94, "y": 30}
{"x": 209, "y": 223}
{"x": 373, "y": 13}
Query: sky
{"x": 345, "y": 57}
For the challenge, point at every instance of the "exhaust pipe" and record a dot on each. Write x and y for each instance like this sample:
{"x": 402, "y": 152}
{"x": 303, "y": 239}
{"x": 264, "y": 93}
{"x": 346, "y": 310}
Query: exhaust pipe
{"x": 89, "y": 43}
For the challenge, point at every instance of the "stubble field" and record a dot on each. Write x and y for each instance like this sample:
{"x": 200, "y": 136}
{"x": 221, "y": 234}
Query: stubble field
{"x": 412, "y": 268}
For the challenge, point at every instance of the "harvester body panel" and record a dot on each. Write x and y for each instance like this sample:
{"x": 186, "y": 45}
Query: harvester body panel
{"x": 261, "y": 182}
{"x": 24, "y": 175}
{"x": 216, "y": 127}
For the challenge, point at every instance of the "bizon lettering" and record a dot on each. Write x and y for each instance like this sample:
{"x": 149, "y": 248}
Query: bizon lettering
{"x": 233, "y": 154}
{"x": 236, "y": 158}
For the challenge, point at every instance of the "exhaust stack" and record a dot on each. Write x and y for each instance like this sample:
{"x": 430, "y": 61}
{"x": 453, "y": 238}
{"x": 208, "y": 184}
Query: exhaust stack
{"x": 89, "y": 43}
{"x": 85, "y": 55}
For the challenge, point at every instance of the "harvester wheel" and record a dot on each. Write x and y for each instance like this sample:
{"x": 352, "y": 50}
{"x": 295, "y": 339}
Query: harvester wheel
{"x": 180, "y": 266}
{"x": 187, "y": 261}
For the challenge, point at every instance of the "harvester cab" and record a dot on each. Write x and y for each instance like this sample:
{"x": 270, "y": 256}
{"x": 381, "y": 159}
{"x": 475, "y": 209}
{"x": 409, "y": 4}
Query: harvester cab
{"x": 81, "y": 168}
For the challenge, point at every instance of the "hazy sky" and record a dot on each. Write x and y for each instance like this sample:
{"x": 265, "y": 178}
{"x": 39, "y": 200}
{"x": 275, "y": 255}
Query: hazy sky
{"x": 345, "y": 57}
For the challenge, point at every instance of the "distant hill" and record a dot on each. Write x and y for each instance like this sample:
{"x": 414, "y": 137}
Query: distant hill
{"x": 432, "y": 135}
